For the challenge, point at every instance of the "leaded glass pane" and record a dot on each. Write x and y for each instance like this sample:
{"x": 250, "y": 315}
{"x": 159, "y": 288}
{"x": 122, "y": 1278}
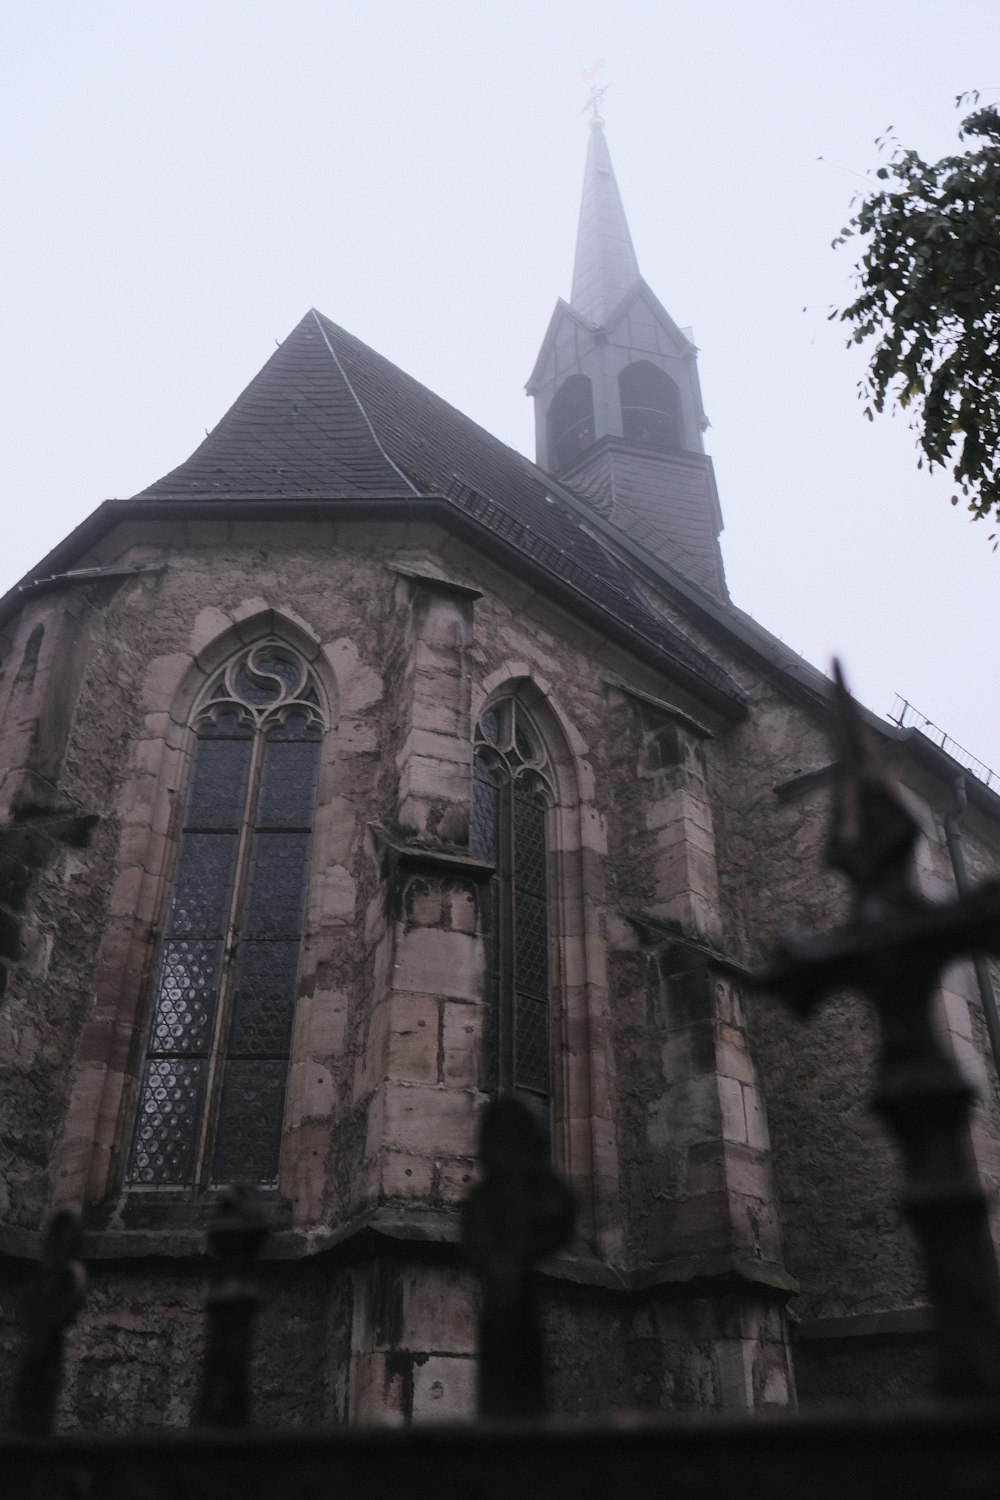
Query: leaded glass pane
{"x": 531, "y": 941}
{"x": 254, "y": 679}
{"x": 248, "y": 1133}
{"x": 185, "y": 997}
{"x": 489, "y": 725}
{"x": 484, "y": 836}
{"x": 529, "y": 838}
{"x": 219, "y": 783}
{"x": 531, "y": 1064}
{"x": 184, "y": 1028}
{"x": 523, "y": 744}
{"x": 288, "y": 783}
{"x": 264, "y": 999}
{"x": 200, "y": 902}
{"x": 276, "y": 884}
{"x": 166, "y": 1132}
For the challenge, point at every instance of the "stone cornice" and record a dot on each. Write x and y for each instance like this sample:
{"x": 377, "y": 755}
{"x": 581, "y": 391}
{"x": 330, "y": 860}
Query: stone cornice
{"x": 421, "y": 1231}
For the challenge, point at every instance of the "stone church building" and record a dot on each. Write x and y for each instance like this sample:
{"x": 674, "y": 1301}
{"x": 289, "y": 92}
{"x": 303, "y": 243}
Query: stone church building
{"x": 359, "y": 769}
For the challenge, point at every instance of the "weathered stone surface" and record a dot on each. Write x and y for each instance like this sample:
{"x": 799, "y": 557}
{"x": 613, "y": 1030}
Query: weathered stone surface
{"x": 699, "y": 1122}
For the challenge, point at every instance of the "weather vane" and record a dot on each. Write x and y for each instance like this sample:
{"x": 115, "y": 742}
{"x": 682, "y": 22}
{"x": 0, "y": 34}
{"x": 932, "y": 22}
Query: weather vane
{"x": 597, "y": 90}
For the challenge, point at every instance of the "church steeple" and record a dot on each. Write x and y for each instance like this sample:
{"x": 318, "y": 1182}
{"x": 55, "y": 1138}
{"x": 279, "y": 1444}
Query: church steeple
{"x": 605, "y": 267}
{"x": 618, "y": 411}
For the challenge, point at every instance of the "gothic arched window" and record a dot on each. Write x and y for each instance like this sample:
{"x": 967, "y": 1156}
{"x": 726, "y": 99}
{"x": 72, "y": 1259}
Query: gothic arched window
{"x": 212, "y": 1092}
{"x": 571, "y": 421}
{"x": 511, "y": 799}
{"x": 651, "y": 406}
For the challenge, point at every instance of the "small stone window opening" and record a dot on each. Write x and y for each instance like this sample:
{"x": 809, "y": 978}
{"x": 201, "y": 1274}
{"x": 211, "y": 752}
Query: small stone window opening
{"x": 571, "y": 421}
{"x": 512, "y": 795}
{"x": 651, "y": 407}
{"x": 212, "y": 1090}
{"x": 664, "y": 748}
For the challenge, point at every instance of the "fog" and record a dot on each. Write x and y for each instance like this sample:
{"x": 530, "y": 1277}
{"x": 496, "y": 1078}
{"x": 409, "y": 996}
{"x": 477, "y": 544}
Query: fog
{"x": 182, "y": 181}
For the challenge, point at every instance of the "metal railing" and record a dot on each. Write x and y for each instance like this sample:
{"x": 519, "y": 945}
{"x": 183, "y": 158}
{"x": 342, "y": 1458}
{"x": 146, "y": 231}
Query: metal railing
{"x": 906, "y": 716}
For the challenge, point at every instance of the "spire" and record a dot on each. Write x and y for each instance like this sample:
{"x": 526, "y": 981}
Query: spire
{"x": 605, "y": 267}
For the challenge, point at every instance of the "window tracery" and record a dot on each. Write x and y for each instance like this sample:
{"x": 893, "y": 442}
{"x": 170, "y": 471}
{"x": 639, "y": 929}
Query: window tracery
{"x": 512, "y": 795}
{"x": 211, "y": 1096}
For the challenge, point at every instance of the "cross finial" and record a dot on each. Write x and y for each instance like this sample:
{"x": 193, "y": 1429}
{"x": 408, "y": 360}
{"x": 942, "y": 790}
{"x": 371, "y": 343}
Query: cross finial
{"x": 597, "y": 91}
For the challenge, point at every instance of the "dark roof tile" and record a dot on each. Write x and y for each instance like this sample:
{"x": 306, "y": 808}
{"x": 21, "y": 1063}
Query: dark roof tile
{"x": 327, "y": 418}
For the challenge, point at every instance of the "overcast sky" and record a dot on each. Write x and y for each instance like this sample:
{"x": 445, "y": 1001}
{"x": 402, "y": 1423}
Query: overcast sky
{"x": 182, "y": 181}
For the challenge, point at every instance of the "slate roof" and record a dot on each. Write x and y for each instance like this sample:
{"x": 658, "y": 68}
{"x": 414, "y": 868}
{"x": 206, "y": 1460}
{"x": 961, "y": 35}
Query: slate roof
{"x": 328, "y": 419}
{"x": 605, "y": 267}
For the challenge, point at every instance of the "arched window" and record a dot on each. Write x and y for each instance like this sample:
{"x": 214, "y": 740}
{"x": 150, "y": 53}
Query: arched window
{"x": 511, "y": 800}
{"x": 212, "y": 1092}
{"x": 651, "y": 407}
{"x": 571, "y": 421}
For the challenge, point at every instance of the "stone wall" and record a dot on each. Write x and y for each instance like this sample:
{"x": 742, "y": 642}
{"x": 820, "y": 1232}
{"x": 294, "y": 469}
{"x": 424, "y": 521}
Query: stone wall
{"x": 723, "y": 1153}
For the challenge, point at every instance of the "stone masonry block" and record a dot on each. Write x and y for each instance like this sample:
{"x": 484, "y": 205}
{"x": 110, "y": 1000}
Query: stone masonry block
{"x": 423, "y": 903}
{"x": 734, "y": 1358}
{"x": 755, "y": 1231}
{"x": 680, "y": 807}
{"x": 370, "y": 1063}
{"x": 461, "y": 1026}
{"x": 440, "y": 1309}
{"x": 453, "y": 1177}
{"x": 734, "y": 1122}
{"x": 320, "y": 1023}
{"x": 689, "y": 1226}
{"x": 413, "y": 1039}
{"x": 695, "y": 915}
{"x": 733, "y": 1060}
{"x": 160, "y": 684}
{"x": 446, "y": 779}
{"x": 463, "y": 908}
{"x": 360, "y": 686}
{"x": 433, "y": 961}
{"x": 377, "y": 1389}
{"x": 405, "y": 1175}
{"x": 428, "y": 745}
{"x": 688, "y": 1112}
{"x": 209, "y": 624}
{"x": 428, "y": 1121}
{"x": 310, "y": 1093}
{"x": 357, "y": 737}
{"x": 747, "y": 1171}
{"x": 770, "y": 1375}
{"x": 684, "y": 868}
{"x": 444, "y": 1389}
{"x": 440, "y": 713}
{"x": 337, "y": 896}
{"x": 337, "y": 830}
{"x": 756, "y": 1118}
{"x": 303, "y": 1170}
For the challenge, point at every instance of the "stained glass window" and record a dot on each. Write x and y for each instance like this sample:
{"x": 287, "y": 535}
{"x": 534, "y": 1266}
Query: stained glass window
{"x": 510, "y": 815}
{"x": 212, "y": 1092}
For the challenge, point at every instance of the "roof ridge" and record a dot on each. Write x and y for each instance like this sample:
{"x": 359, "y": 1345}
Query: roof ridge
{"x": 360, "y": 405}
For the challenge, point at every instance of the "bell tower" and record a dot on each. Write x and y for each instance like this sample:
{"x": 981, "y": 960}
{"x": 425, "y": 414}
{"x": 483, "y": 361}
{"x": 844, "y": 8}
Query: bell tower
{"x": 618, "y": 411}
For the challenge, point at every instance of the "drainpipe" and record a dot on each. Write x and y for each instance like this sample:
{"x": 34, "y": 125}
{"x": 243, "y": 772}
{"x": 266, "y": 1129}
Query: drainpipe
{"x": 979, "y": 964}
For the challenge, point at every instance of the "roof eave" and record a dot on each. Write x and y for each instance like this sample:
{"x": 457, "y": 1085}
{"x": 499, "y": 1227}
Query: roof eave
{"x": 729, "y": 705}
